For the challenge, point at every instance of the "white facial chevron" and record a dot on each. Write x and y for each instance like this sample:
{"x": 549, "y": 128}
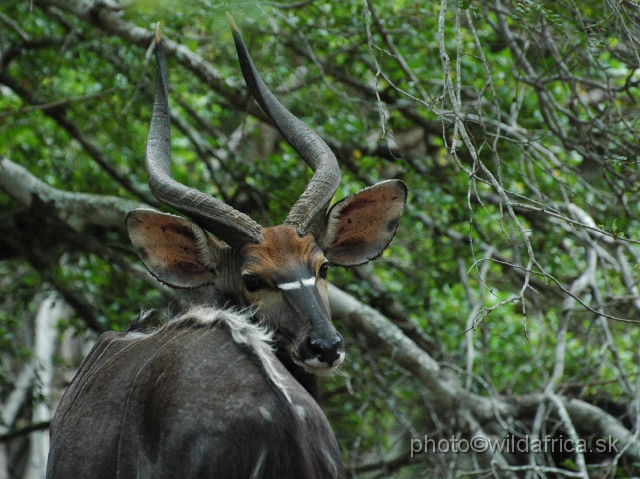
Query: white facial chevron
{"x": 297, "y": 284}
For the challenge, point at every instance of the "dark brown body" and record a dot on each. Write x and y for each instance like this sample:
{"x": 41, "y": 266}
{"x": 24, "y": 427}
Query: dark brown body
{"x": 187, "y": 402}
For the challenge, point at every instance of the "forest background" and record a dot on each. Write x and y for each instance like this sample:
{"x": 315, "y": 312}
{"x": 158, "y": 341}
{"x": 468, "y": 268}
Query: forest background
{"x": 507, "y": 307}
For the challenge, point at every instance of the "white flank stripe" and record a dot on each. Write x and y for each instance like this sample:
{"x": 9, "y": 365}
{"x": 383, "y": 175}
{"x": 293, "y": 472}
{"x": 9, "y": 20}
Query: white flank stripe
{"x": 257, "y": 470}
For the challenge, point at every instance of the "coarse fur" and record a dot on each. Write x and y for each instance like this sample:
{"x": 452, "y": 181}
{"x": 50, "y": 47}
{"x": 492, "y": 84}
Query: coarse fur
{"x": 256, "y": 337}
{"x": 159, "y": 397}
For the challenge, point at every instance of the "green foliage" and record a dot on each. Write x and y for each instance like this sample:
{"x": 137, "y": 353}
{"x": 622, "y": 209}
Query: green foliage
{"x": 551, "y": 116}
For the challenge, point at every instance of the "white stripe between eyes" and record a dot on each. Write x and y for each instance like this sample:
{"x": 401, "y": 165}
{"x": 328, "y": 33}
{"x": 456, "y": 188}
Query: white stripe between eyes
{"x": 297, "y": 284}
{"x": 288, "y": 286}
{"x": 308, "y": 282}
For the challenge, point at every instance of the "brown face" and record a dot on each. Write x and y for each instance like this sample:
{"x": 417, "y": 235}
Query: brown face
{"x": 286, "y": 277}
{"x": 281, "y": 273}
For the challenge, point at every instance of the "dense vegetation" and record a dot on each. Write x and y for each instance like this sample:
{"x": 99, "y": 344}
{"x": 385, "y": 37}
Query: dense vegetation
{"x": 506, "y": 308}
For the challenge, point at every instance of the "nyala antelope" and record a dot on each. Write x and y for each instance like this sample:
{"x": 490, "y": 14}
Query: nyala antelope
{"x": 226, "y": 389}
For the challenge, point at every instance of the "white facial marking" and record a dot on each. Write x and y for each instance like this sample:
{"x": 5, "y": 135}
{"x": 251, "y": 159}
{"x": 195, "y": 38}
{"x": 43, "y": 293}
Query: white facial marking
{"x": 290, "y": 286}
{"x": 308, "y": 282}
{"x": 319, "y": 368}
{"x": 314, "y": 363}
{"x": 297, "y": 284}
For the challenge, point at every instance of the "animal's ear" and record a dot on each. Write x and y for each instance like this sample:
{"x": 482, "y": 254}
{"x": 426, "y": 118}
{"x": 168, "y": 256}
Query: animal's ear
{"x": 175, "y": 250}
{"x": 358, "y": 228}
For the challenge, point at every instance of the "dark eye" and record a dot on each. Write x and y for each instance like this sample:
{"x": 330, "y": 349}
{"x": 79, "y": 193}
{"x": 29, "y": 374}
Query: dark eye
{"x": 323, "y": 271}
{"x": 253, "y": 283}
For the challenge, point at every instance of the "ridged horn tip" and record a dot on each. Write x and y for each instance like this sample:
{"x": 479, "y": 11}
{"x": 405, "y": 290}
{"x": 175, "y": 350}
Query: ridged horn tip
{"x": 232, "y": 22}
{"x": 158, "y": 34}
{"x": 310, "y": 209}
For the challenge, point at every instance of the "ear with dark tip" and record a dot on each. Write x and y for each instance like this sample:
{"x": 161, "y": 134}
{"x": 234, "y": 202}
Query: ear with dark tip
{"x": 358, "y": 228}
{"x": 174, "y": 249}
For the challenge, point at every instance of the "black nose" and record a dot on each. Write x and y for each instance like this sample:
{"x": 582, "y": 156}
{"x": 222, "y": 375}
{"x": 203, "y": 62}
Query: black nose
{"x": 327, "y": 349}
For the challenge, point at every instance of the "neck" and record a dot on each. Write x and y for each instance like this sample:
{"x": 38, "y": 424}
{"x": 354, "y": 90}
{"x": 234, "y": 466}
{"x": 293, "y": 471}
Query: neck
{"x": 307, "y": 380}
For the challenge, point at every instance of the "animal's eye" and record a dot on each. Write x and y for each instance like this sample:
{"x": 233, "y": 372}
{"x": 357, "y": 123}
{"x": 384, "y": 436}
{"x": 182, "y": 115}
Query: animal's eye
{"x": 323, "y": 271}
{"x": 253, "y": 283}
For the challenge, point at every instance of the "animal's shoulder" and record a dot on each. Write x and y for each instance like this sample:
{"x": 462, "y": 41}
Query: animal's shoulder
{"x": 197, "y": 384}
{"x": 199, "y": 348}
